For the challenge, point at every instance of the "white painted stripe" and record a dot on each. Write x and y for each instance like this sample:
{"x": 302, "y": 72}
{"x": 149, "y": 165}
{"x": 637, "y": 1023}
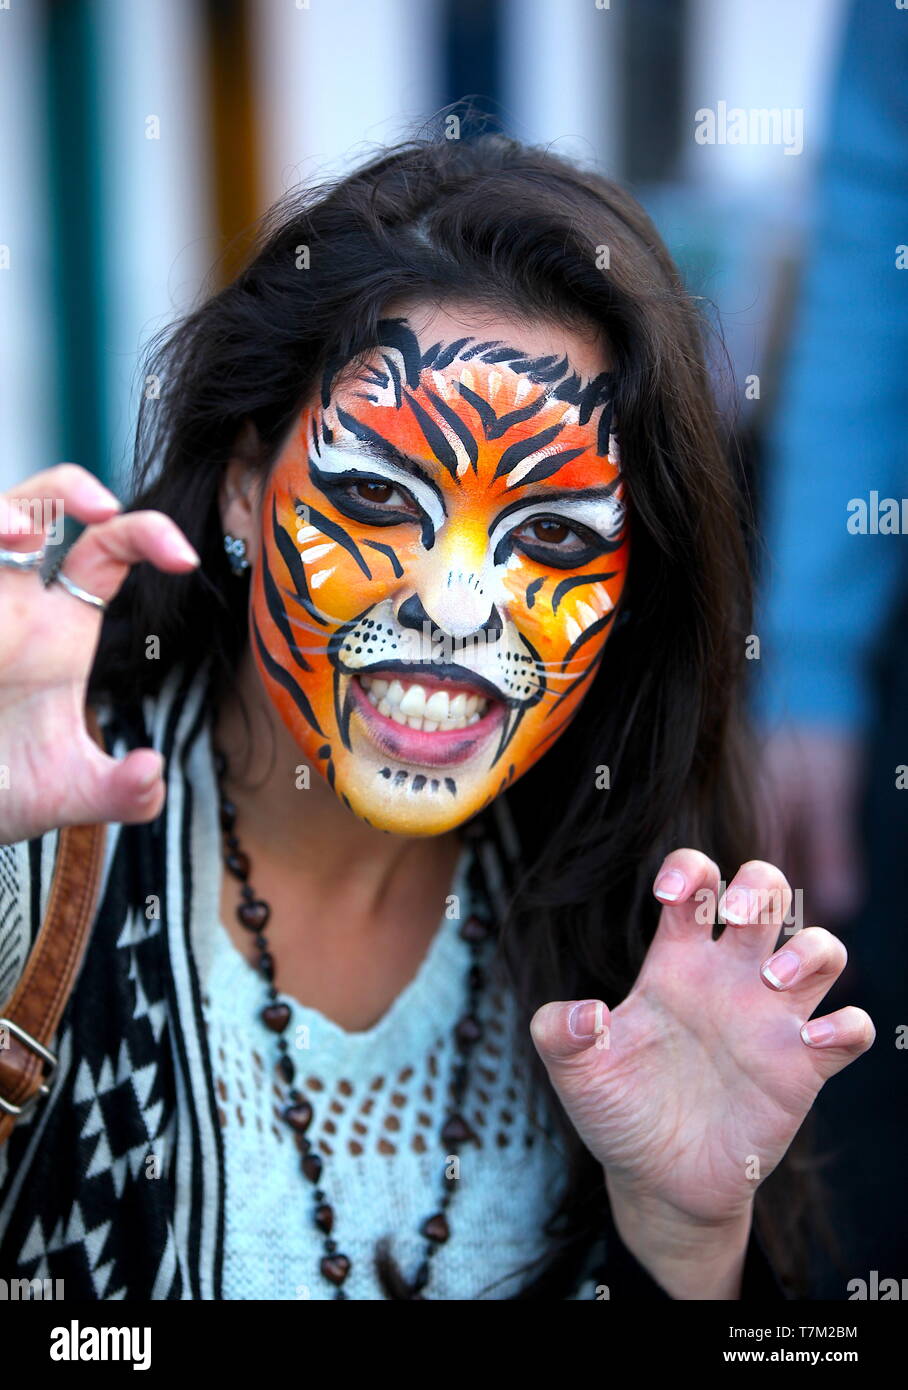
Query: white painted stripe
{"x": 316, "y": 552}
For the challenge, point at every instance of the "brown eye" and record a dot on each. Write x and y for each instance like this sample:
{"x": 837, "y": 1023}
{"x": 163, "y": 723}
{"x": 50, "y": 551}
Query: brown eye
{"x": 559, "y": 544}
{"x": 552, "y": 531}
{"x": 374, "y": 492}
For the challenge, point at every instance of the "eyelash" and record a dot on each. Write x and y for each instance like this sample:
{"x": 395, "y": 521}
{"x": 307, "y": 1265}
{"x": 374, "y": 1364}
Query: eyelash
{"x": 372, "y": 513}
{"x": 359, "y": 508}
{"x": 548, "y": 553}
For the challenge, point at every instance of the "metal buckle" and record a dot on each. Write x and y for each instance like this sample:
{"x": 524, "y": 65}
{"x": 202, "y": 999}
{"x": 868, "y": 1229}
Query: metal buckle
{"x": 40, "y": 1051}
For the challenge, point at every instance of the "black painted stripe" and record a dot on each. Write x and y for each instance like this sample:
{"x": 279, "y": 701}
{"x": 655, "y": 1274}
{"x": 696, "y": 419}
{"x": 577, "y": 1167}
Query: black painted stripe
{"x": 505, "y": 354}
{"x": 286, "y": 681}
{"x": 566, "y": 585}
{"x": 434, "y": 436}
{"x": 429, "y": 355}
{"x": 337, "y": 533}
{"x": 395, "y": 377}
{"x": 547, "y": 467}
{"x": 539, "y": 364}
{"x": 481, "y": 347}
{"x": 279, "y": 613}
{"x": 510, "y": 728}
{"x": 604, "y": 430}
{"x": 447, "y": 355}
{"x": 578, "y": 681}
{"x": 552, "y": 373}
{"x": 591, "y": 631}
{"x": 516, "y": 417}
{"x": 533, "y": 590}
{"x": 386, "y": 550}
{"x": 458, "y": 425}
{"x": 396, "y": 333}
{"x": 487, "y": 415}
{"x": 291, "y": 558}
{"x": 387, "y": 450}
{"x": 516, "y": 453}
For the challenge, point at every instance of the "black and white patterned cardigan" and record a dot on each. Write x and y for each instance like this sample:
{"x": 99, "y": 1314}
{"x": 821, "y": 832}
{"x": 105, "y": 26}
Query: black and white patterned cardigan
{"x": 133, "y": 1093}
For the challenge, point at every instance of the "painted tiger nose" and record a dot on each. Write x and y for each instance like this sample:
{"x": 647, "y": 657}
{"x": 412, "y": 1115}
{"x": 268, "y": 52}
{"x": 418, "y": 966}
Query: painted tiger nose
{"x": 412, "y": 614}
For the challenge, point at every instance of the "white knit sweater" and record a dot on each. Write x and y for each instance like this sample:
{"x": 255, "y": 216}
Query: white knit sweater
{"x": 379, "y": 1098}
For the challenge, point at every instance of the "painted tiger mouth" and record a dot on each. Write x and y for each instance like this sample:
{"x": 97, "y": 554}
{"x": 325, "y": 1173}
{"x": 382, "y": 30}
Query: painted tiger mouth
{"x": 447, "y": 740}
{"x": 422, "y": 706}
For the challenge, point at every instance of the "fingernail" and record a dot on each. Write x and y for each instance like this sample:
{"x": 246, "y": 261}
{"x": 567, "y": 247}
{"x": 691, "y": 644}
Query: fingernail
{"x": 587, "y": 1019}
{"x": 817, "y": 1032}
{"x": 670, "y": 885}
{"x": 150, "y": 778}
{"x": 735, "y": 906}
{"x": 182, "y": 550}
{"x": 780, "y": 970}
{"x": 103, "y": 496}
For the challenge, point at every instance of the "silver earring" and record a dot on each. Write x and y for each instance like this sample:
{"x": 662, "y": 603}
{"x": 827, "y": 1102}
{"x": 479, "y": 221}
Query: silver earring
{"x": 235, "y": 547}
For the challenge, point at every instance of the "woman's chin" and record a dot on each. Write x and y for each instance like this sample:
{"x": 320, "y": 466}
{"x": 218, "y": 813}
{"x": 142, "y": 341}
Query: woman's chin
{"x": 409, "y": 798}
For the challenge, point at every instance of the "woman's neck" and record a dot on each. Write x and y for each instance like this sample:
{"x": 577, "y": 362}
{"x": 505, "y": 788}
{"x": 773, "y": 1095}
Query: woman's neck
{"x": 305, "y": 834}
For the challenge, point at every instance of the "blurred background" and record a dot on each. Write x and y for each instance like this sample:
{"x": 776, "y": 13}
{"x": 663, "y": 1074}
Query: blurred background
{"x": 142, "y": 139}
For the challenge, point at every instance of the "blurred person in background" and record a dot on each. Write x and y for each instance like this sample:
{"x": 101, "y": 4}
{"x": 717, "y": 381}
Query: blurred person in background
{"x": 833, "y": 698}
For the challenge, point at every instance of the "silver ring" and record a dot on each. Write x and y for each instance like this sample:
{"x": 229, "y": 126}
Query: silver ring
{"x": 22, "y": 559}
{"x": 83, "y": 594}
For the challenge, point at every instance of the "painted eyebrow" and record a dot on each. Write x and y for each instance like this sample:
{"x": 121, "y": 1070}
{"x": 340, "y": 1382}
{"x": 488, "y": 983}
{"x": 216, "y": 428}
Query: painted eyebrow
{"x": 381, "y": 446}
{"x": 552, "y": 499}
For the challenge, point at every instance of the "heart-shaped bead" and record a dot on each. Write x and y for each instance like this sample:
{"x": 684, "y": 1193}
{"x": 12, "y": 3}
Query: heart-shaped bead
{"x": 254, "y": 916}
{"x": 276, "y": 1017}
{"x": 437, "y": 1228}
{"x": 456, "y": 1130}
{"x": 299, "y": 1117}
{"x": 336, "y": 1268}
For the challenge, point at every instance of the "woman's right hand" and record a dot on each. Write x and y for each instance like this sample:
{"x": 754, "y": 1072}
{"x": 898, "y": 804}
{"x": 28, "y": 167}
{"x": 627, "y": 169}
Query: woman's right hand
{"x": 52, "y": 773}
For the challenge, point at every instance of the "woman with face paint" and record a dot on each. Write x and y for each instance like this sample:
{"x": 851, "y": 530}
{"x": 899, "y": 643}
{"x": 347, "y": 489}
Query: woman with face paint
{"x": 414, "y": 973}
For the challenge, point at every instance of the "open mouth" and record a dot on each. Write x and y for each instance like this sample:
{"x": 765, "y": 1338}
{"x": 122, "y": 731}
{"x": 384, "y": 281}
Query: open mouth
{"x": 422, "y": 707}
{"x": 425, "y": 719}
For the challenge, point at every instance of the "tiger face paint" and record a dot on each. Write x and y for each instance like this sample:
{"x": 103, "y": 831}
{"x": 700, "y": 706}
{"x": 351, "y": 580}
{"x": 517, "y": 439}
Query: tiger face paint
{"x": 443, "y": 548}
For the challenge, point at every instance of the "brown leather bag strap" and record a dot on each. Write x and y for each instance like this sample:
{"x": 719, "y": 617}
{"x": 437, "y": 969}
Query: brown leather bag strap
{"x": 33, "y": 1014}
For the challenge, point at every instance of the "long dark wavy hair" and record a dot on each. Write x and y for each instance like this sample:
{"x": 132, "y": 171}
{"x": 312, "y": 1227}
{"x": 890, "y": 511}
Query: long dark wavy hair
{"x": 518, "y": 229}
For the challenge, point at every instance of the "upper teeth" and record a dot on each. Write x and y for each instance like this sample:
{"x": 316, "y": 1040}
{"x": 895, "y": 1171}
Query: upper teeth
{"x": 420, "y": 709}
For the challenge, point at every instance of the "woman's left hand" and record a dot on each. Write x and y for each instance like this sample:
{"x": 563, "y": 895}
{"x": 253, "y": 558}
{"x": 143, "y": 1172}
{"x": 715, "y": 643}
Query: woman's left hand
{"x": 691, "y": 1091}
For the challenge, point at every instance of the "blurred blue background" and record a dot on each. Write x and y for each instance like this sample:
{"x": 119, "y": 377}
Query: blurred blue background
{"x": 142, "y": 136}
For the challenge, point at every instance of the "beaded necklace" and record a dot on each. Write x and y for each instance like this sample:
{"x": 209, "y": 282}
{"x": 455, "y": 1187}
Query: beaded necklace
{"x": 253, "y": 913}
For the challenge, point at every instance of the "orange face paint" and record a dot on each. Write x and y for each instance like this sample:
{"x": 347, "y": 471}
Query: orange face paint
{"x": 443, "y": 549}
